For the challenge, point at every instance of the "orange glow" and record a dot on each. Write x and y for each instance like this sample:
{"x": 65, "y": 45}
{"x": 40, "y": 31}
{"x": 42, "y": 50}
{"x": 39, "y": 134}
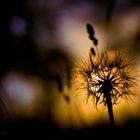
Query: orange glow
{"x": 86, "y": 113}
{"x": 30, "y": 101}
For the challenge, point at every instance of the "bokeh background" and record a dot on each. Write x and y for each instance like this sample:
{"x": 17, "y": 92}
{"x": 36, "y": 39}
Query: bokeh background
{"x": 40, "y": 42}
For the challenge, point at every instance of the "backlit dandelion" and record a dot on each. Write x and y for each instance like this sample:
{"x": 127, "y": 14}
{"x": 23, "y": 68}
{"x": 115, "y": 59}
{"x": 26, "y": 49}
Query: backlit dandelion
{"x": 107, "y": 77}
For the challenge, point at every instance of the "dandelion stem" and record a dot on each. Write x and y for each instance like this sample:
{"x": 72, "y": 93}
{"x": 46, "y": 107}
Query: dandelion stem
{"x": 110, "y": 109}
{"x": 107, "y": 86}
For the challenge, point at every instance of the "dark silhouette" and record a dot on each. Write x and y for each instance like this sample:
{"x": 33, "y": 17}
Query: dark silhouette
{"x": 92, "y": 51}
{"x": 107, "y": 88}
{"x": 107, "y": 76}
{"x": 91, "y": 33}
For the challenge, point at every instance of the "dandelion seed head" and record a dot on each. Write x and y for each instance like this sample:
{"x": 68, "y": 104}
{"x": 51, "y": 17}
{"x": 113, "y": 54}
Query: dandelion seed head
{"x": 110, "y": 71}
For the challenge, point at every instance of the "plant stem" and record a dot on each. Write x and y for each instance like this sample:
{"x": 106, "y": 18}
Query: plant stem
{"x": 110, "y": 108}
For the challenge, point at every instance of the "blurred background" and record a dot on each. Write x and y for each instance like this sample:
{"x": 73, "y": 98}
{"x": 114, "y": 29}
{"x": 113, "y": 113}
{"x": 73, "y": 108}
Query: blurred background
{"x": 40, "y": 42}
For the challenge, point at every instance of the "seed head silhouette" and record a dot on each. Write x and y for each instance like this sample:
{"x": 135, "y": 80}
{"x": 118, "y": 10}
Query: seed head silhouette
{"x": 111, "y": 71}
{"x": 107, "y": 77}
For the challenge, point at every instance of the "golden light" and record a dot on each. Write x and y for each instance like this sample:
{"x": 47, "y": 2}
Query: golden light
{"x": 89, "y": 110}
{"x": 25, "y": 95}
